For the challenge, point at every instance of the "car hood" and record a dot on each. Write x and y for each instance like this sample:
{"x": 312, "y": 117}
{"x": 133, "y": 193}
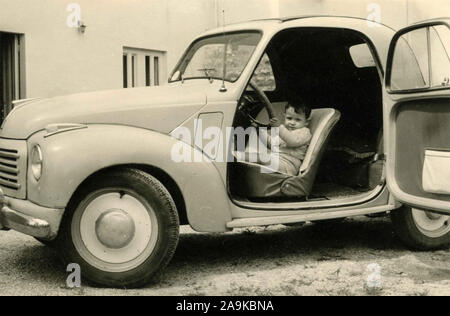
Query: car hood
{"x": 160, "y": 108}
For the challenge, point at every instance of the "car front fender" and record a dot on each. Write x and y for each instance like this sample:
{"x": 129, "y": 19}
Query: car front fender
{"x": 71, "y": 157}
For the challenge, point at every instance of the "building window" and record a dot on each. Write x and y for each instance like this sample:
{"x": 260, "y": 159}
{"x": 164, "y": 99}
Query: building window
{"x": 143, "y": 67}
{"x": 148, "y": 81}
{"x": 156, "y": 73}
{"x": 133, "y": 71}
{"x": 125, "y": 71}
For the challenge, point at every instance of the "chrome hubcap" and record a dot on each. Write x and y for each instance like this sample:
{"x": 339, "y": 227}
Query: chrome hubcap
{"x": 431, "y": 224}
{"x": 433, "y": 216}
{"x": 115, "y": 229}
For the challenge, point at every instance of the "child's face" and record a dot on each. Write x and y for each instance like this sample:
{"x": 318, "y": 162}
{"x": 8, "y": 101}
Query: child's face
{"x": 294, "y": 120}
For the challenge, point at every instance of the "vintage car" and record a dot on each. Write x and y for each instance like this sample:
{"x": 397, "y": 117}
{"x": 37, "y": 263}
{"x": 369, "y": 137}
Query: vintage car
{"x": 107, "y": 178}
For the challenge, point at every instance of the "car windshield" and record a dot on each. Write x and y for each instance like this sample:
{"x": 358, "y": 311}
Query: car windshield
{"x": 217, "y": 57}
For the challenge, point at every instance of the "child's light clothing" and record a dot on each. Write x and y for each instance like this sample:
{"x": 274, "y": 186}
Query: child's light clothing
{"x": 291, "y": 149}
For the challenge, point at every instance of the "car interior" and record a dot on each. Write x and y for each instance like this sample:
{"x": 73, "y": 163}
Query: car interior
{"x": 345, "y": 159}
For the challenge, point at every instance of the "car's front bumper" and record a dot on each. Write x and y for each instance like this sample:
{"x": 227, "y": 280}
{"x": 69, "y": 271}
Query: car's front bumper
{"x": 29, "y": 218}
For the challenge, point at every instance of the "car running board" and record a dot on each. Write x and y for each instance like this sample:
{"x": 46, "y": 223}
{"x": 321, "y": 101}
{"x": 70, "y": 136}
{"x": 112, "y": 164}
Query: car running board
{"x": 320, "y": 215}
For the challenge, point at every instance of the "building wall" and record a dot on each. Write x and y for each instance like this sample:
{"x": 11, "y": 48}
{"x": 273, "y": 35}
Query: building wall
{"x": 245, "y": 10}
{"x": 420, "y": 10}
{"x": 395, "y": 13}
{"x": 60, "y": 60}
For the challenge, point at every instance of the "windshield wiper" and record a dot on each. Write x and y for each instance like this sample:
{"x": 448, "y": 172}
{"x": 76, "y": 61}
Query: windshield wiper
{"x": 207, "y": 70}
{"x": 200, "y": 77}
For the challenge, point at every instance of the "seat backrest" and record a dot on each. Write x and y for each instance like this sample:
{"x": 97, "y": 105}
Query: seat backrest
{"x": 321, "y": 123}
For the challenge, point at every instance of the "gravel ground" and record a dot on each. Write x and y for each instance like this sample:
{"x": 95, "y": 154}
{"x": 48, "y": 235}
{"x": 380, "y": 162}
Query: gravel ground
{"x": 274, "y": 260}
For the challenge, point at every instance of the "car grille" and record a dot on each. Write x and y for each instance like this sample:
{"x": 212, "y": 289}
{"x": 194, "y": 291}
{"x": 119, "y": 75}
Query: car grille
{"x": 13, "y": 167}
{"x": 9, "y": 171}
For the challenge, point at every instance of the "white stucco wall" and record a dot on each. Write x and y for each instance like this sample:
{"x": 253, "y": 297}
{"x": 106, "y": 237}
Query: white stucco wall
{"x": 420, "y": 10}
{"x": 245, "y": 10}
{"x": 395, "y": 13}
{"x": 60, "y": 60}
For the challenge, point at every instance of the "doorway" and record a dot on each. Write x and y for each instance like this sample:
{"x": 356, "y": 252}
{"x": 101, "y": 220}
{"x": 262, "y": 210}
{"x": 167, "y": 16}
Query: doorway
{"x": 12, "y": 77}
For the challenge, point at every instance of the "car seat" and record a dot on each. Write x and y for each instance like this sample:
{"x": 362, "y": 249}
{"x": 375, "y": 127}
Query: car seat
{"x": 257, "y": 181}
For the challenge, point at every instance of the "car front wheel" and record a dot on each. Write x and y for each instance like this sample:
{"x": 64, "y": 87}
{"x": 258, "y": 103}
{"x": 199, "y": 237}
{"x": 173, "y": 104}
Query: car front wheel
{"x": 421, "y": 230}
{"x": 122, "y": 230}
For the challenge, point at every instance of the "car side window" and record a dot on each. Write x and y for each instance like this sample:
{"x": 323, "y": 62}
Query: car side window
{"x": 440, "y": 56}
{"x": 263, "y": 76}
{"x": 422, "y": 59}
{"x": 410, "y": 64}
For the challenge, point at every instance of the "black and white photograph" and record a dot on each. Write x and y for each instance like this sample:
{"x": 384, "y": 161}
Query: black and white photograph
{"x": 225, "y": 153}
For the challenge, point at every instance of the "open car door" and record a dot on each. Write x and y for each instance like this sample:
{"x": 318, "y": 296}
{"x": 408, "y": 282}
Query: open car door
{"x": 417, "y": 116}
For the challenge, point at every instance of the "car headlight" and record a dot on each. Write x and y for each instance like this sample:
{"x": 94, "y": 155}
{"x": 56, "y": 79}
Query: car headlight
{"x": 36, "y": 162}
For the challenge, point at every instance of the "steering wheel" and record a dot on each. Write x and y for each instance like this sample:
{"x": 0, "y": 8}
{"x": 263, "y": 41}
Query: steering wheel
{"x": 263, "y": 98}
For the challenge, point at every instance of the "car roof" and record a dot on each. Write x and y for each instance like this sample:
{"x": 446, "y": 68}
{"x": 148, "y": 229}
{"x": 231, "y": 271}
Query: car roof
{"x": 270, "y": 23}
{"x": 299, "y": 17}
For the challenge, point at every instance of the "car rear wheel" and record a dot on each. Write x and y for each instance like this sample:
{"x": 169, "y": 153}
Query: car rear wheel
{"x": 421, "y": 230}
{"x": 123, "y": 229}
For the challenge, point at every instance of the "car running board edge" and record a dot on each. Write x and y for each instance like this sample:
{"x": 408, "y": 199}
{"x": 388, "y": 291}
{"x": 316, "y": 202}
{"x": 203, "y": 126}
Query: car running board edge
{"x": 321, "y": 215}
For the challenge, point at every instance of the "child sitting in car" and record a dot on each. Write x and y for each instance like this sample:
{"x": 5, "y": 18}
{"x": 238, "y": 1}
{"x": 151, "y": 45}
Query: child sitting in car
{"x": 294, "y": 136}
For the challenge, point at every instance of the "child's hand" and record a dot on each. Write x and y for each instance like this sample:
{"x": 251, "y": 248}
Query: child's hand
{"x": 274, "y": 122}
